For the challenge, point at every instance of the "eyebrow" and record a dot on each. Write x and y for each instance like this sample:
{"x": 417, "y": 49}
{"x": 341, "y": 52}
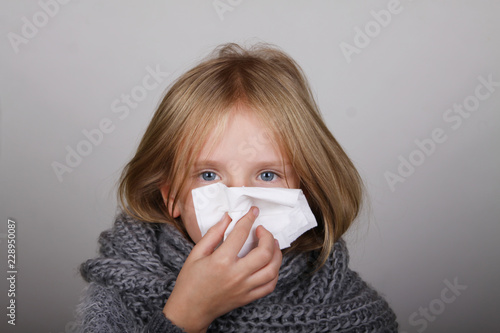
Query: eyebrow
{"x": 263, "y": 164}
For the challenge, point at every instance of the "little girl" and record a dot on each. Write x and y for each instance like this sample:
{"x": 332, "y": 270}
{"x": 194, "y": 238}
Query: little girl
{"x": 243, "y": 117}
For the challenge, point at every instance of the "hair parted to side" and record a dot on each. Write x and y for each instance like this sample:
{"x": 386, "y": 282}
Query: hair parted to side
{"x": 271, "y": 84}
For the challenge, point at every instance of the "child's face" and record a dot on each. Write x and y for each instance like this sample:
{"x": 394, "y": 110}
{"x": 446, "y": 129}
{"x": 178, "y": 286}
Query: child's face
{"x": 244, "y": 156}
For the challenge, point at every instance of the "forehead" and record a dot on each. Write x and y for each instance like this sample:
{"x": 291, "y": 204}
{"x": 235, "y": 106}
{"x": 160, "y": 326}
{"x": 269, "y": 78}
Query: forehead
{"x": 243, "y": 137}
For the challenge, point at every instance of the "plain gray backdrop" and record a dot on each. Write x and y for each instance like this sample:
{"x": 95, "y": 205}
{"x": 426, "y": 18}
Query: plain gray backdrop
{"x": 411, "y": 89}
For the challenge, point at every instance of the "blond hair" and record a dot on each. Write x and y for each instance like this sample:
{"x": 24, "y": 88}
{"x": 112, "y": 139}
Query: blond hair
{"x": 271, "y": 84}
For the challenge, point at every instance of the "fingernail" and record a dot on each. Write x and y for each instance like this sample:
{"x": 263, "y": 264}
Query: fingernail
{"x": 276, "y": 242}
{"x": 255, "y": 211}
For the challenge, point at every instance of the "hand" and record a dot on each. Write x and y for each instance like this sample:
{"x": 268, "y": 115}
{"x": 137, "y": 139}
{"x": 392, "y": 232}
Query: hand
{"x": 213, "y": 281}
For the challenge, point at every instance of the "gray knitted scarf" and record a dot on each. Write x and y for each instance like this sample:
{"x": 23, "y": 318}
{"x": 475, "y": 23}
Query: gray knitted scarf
{"x": 140, "y": 263}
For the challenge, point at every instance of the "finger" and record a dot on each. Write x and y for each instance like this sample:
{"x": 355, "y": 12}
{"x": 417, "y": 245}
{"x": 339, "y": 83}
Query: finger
{"x": 235, "y": 240}
{"x": 261, "y": 255}
{"x": 270, "y": 278}
{"x": 264, "y": 289}
{"x": 207, "y": 244}
{"x": 270, "y": 271}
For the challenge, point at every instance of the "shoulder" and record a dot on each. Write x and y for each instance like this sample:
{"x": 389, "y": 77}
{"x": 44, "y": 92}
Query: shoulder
{"x": 130, "y": 245}
{"x": 357, "y": 296}
{"x": 102, "y": 310}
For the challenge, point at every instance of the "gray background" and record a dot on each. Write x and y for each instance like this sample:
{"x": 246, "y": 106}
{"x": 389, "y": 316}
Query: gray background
{"x": 440, "y": 224}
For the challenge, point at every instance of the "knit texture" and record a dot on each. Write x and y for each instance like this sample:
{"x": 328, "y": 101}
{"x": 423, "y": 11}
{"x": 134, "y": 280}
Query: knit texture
{"x": 136, "y": 271}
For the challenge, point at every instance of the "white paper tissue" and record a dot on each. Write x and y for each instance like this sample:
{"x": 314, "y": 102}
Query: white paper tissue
{"x": 284, "y": 212}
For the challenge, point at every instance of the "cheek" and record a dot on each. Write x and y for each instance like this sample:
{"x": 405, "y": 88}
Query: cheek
{"x": 188, "y": 217}
{"x": 194, "y": 232}
{"x": 293, "y": 180}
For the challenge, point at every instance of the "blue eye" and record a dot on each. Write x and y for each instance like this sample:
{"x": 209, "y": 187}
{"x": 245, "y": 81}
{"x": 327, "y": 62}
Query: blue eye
{"x": 267, "y": 176}
{"x": 208, "y": 176}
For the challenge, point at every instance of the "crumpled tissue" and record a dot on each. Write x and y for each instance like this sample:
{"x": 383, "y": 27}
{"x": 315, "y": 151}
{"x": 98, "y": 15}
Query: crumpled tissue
{"x": 282, "y": 211}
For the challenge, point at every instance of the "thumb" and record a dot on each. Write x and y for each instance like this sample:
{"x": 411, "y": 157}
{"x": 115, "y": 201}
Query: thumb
{"x": 207, "y": 244}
